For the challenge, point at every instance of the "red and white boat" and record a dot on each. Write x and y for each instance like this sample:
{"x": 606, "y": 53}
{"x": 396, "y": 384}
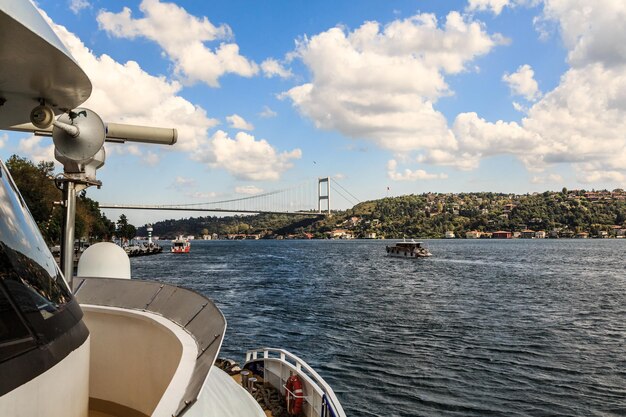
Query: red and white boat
{"x": 181, "y": 245}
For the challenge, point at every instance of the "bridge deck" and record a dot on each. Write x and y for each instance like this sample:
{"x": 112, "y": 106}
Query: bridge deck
{"x": 218, "y": 210}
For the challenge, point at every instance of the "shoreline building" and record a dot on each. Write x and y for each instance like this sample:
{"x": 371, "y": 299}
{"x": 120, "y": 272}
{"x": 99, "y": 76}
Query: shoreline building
{"x": 501, "y": 234}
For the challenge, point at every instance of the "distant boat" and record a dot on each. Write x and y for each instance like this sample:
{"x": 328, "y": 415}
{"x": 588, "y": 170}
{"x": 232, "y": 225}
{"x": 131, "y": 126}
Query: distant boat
{"x": 181, "y": 245}
{"x": 407, "y": 250}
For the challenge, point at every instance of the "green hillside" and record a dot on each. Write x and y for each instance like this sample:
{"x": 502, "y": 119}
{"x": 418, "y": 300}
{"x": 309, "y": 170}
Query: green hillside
{"x": 429, "y": 215}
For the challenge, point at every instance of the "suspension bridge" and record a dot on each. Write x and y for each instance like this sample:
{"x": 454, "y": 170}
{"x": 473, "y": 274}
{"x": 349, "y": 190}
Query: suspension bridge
{"x": 310, "y": 198}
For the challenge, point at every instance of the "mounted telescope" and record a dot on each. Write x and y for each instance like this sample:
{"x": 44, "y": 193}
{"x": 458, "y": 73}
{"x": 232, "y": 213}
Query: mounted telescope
{"x": 79, "y": 135}
{"x": 115, "y": 132}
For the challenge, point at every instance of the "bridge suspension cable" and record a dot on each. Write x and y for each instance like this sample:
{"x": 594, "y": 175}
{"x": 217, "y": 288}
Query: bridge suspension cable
{"x": 354, "y": 200}
{"x": 300, "y": 199}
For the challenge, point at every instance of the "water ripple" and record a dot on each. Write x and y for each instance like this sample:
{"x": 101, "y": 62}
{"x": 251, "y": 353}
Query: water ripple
{"x": 511, "y": 328}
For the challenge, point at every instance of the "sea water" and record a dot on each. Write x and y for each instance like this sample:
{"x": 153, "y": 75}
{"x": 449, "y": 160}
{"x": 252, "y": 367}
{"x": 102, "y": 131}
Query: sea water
{"x": 483, "y": 327}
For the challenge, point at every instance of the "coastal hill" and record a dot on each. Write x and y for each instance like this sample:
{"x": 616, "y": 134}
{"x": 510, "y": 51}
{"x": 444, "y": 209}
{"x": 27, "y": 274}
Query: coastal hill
{"x": 566, "y": 213}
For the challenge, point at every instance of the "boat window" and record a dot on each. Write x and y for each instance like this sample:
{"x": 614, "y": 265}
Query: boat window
{"x": 27, "y": 268}
{"x": 37, "y": 294}
{"x": 14, "y": 335}
{"x": 11, "y": 326}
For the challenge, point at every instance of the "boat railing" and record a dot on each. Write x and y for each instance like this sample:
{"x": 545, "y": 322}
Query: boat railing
{"x": 330, "y": 406}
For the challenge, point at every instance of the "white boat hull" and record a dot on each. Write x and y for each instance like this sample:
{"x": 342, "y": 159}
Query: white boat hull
{"x": 61, "y": 391}
{"x": 408, "y": 255}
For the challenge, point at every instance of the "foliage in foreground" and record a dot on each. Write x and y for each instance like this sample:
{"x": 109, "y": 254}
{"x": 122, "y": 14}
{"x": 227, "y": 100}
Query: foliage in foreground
{"x": 36, "y": 184}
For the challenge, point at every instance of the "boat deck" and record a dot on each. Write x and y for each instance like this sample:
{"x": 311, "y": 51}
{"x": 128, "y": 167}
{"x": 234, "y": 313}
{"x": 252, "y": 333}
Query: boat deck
{"x": 237, "y": 378}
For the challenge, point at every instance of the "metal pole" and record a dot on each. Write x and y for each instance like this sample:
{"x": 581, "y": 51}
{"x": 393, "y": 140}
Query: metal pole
{"x": 67, "y": 243}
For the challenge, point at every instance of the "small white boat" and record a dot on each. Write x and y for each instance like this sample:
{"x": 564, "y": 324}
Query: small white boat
{"x": 407, "y": 250}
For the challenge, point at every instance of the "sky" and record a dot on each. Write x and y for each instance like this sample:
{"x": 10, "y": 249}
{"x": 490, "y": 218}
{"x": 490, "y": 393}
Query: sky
{"x": 386, "y": 97}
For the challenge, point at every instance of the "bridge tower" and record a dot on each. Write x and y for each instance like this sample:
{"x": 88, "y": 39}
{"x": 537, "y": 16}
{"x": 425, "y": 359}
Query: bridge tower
{"x": 321, "y": 196}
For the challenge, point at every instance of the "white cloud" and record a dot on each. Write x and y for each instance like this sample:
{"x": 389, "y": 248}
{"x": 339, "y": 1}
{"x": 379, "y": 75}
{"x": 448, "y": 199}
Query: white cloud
{"x": 479, "y": 138}
{"x": 237, "y": 122}
{"x": 520, "y": 107}
{"x": 245, "y": 157}
{"x": 522, "y": 82}
{"x": 593, "y": 32}
{"x": 151, "y": 159}
{"x": 33, "y": 148}
{"x": 582, "y": 121}
{"x": 545, "y": 27}
{"x": 125, "y": 93}
{"x": 3, "y": 138}
{"x": 550, "y": 178}
{"x": 459, "y": 160}
{"x": 494, "y": 6}
{"x": 380, "y": 83}
{"x": 182, "y": 182}
{"x": 183, "y": 38}
{"x": 203, "y": 195}
{"x": 112, "y": 148}
{"x": 409, "y": 175}
{"x": 267, "y": 113}
{"x": 591, "y": 177}
{"x": 77, "y": 5}
{"x": 273, "y": 68}
{"x": 248, "y": 189}
{"x": 584, "y": 118}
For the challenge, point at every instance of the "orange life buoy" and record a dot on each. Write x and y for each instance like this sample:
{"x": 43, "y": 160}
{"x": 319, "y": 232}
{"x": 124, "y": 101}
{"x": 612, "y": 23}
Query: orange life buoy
{"x": 294, "y": 395}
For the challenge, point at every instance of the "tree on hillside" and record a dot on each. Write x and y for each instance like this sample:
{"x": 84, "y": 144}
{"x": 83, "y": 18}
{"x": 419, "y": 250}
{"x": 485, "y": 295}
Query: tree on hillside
{"x": 95, "y": 225}
{"x": 36, "y": 184}
{"x": 125, "y": 230}
{"x": 39, "y": 192}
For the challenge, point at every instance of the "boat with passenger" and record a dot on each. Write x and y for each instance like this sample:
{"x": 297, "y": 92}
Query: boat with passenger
{"x": 99, "y": 343}
{"x": 181, "y": 245}
{"x": 408, "y": 250}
